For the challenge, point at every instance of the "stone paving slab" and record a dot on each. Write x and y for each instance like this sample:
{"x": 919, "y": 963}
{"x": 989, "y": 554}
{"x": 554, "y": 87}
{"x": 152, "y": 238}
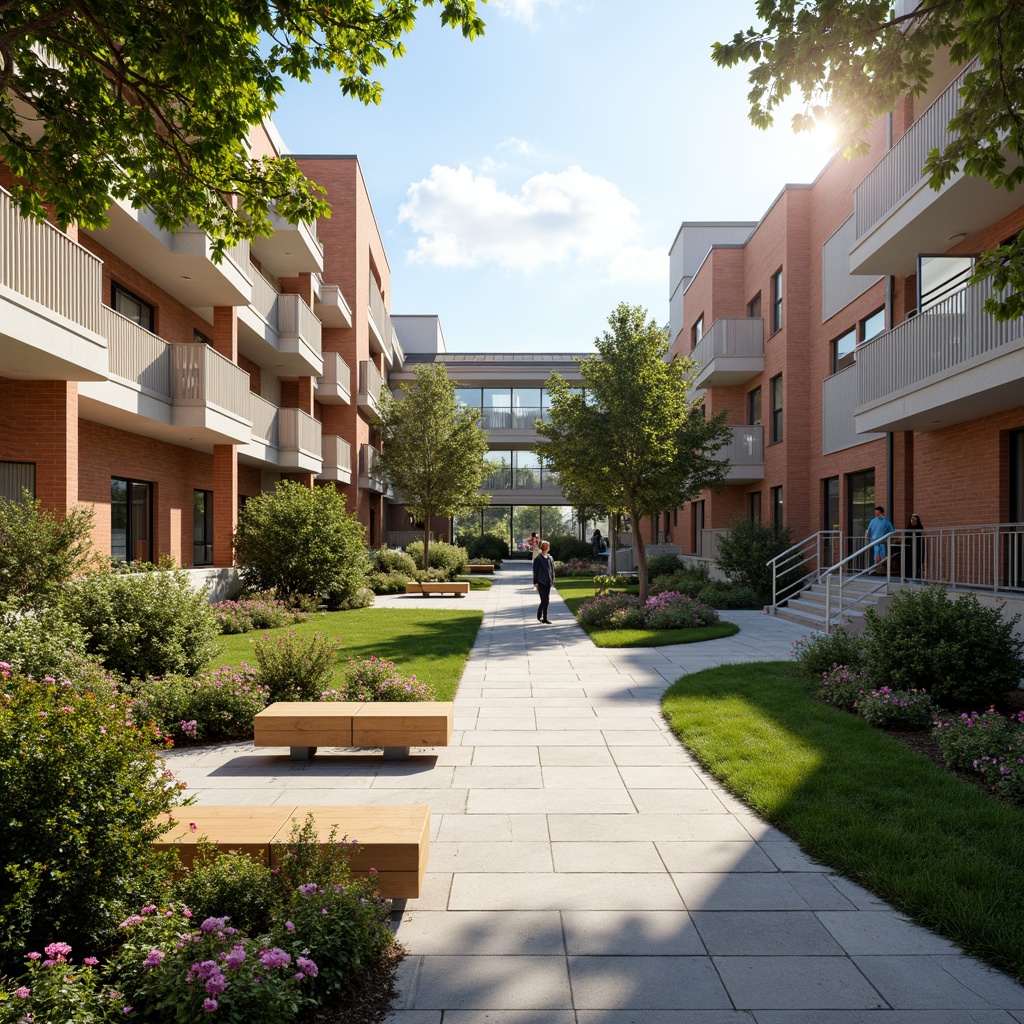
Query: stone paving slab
{"x": 585, "y": 870}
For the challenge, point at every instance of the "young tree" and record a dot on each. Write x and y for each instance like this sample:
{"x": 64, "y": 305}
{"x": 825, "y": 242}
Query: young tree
{"x": 152, "y": 101}
{"x": 852, "y": 60}
{"x": 632, "y": 441}
{"x": 433, "y": 450}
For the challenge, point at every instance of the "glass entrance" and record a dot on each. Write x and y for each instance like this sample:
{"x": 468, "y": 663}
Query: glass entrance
{"x": 860, "y": 509}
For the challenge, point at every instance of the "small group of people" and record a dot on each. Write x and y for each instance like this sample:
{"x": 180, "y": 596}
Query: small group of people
{"x": 879, "y": 530}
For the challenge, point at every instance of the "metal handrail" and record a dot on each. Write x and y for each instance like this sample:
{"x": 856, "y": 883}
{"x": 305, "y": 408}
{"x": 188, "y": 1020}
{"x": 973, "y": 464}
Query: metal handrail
{"x": 838, "y": 570}
{"x": 806, "y": 557}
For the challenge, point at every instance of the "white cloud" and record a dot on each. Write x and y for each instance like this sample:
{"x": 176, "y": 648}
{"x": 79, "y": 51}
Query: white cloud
{"x": 521, "y": 10}
{"x": 465, "y": 220}
{"x": 518, "y": 146}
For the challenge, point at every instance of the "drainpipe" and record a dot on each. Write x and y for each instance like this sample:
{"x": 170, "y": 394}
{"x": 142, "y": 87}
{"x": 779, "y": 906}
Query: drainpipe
{"x": 888, "y": 473}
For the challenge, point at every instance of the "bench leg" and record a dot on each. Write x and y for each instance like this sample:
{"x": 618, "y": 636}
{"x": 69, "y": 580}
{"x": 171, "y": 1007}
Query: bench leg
{"x": 396, "y": 753}
{"x": 302, "y": 753}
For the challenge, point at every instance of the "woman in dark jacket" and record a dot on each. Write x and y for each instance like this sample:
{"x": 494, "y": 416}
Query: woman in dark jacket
{"x": 913, "y": 548}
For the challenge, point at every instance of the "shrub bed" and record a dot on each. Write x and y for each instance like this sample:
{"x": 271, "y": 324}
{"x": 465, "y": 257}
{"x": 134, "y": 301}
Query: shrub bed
{"x": 662, "y": 611}
{"x": 371, "y": 679}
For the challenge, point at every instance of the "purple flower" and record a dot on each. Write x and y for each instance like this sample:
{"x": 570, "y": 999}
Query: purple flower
{"x": 274, "y": 957}
{"x": 307, "y": 966}
{"x": 288, "y": 926}
{"x": 213, "y": 924}
{"x": 309, "y": 888}
{"x": 155, "y": 958}
{"x": 23, "y": 992}
{"x": 209, "y": 1005}
{"x": 235, "y": 957}
{"x": 58, "y": 951}
{"x": 90, "y": 961}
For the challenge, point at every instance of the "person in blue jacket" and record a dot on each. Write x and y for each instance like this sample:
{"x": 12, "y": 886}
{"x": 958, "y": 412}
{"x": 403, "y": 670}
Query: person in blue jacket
{"x": 878, "y": 529}
{"x": 543, "y": 578}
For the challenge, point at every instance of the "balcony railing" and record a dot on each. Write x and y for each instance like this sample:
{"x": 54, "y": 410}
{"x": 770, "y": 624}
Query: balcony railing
{"x": 380, "y": 322}
{"x": 264, "y": 420}
{"x": 264, "y": 298}
{"x": 509, "y": 479}
{"x": 299, "y": 432}
{"x": 334, "y": 386}
{"x": 731, "y": 352}
{"x": 297, "y": 321}
{"x": 370, "y": 384}
{"x": 900, "y": 171}
{"x": 370, "y": 474}
{"x": 134, "y": 354}
{"x": 337, "y": 455}
{"x": 932, "y": 345}
{"x": 838, "y": 403}
{"x": 503, "y": 418}
{"x": 43, "y": 264}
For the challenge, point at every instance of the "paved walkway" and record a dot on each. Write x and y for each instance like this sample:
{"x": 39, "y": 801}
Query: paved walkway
{"x": 584, "y": 870}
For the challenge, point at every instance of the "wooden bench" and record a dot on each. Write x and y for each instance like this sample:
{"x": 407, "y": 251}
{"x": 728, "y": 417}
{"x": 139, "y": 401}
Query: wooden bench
{"x": 458, "y": 588}
{"x": 480, "y": 568}
{"x": 304, "y": 725}
{"x": 393, "y": 840}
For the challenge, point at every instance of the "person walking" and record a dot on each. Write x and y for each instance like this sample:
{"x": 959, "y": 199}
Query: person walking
{"x": 595, "y": 542}
{"x": 543, "y": 579}
{"x": 878, "y": 529}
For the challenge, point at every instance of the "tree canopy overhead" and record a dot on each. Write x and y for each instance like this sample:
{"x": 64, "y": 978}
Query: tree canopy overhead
{"x": 632, "y": 441}
{"x": 152, "y": 101}
{"x": 850, "y": 61}
{"x": 433, "y": 450}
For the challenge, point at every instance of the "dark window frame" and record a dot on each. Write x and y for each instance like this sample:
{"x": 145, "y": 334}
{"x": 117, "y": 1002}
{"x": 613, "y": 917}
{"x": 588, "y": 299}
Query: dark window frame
{"x": 144, "y": 306}
{"x": 776, "y": 407}
{"x": 131, "y": 541}
{"x": 202, "y": 532}
{"x": 778, "y": 515}
{"x": 777, "y": 301}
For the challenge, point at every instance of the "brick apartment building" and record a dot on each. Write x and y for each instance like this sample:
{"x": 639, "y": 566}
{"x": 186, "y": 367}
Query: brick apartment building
{"x": 852, "y": 359}
{"x": 141, "y": 379}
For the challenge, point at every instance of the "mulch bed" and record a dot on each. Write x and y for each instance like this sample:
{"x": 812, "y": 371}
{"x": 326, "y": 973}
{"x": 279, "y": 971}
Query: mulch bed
{"x": 368, "y": 1000}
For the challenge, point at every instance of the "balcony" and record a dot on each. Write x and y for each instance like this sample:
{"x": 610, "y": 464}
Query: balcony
{"x": 838, "y": 404}
{"x": 732, "y": 352}
{"x": 285, "y": 439}
{"x": 187, "y": 394}
{"x": 291, "y": 250}
{"x": 181, "y": 263}
{"x": 898, "y": 214}
{"x": 279, "y": 331}
{"x": 334, "y": 385}
{"x": 370, "y": 384}
{"x": 49, "y": 303}
{"x": 337, "y": 465}
{"x": 329, "y": 304}
{"x": 523, "y": 486}
{"x": 300, "y": 441}
{"x": 947, "y": 365}
{"x": 745, "y": 454}
{"x": 370, "y": 476}
{"x": 381, "y": 331}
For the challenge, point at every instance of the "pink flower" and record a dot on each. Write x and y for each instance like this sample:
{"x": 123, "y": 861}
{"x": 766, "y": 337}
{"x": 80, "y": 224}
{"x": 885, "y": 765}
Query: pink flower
{"x": 90, "y": 961}
{"x": 23, "y": 992}
{"x": 58, "y": 950}
{"x": 209, "y": 1005}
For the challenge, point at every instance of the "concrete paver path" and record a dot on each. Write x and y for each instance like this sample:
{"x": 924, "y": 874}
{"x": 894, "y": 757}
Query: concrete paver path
{"x": 585, "y": 870}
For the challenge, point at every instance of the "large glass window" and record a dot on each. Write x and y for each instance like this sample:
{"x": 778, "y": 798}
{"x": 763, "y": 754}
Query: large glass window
{"x": 698, "y": 331}
{"x": 755, "y": 506}
{"x": 500, "y": 477}
{"x": 831, "y": 517}
{"x": 468, "y": 397}
{"x": 776, "y": 409}
{"x": 754, "y": 407}
{"x": 843, "y": 350}
{"x": 527, "y": 470}
{"x": 202, "y": 527}
{"x": 497, "y": 409}
{"x": 131, "y": 306}
{"x": 872, "y": 325}
{"x": 131, "y": 520}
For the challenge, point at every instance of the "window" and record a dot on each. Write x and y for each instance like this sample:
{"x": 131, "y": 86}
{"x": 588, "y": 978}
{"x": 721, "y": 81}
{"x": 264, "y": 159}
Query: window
{"x": 131, "y": 520}
{"x": 202, "y": 527}
{"x": 872, "y": 325}
{"x": 199, "y": 338}
{"x": 776, "y": 409}
{"x": 777, "y": 301}
{"x": 754, "y": 307}
{"x": 698, "y": 331}
{"x": 754, "y": 407}
{"x": 132, "y": 307}
{"x": 755, "y": 506}
{"x": 15, "y": 479}
{"x": 777, "y": 518}
{"x": 843, "y": 350}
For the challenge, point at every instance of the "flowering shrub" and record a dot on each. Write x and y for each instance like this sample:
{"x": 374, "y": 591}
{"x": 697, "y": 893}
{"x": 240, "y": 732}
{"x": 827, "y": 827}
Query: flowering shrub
{"x": 172, "y": 970}
{"x": 843, "y": 687}
{"x": 897, "y": 709}
{"x": 605, "y": 582}
{"x": 670, "y": 610}
{"x": 261, "y": 611}
{"x": 577, "y": 568}
{"x": 973, "y": 737}
{"x": 295, "y": 667}
{"x": 630, "y": 616}
{"x": 1004, "y": 773}
{"x": 218, "y": 705}
{"x": 374, "y": 679}
{"x": 597, "y": 612}
{"x": 82, "y": 787}
{"x": 55, "y": 989}
{"x": 390, "y": 582}
{"x": 822, "y": 652}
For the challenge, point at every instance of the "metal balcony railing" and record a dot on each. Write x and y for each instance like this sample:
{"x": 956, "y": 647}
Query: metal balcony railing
{"x": 337, "y": 453}
{"x": 264, "y": 420}
{"x": 43, "y": 264}
{"x": 299, "y": 432}
{"x": 380, "y": 324}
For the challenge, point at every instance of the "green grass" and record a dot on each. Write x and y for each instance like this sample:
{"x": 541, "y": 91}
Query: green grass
{"x": 477, "y": 582}
{"x": 934, "y": 846}
{"x": 575, "y": 592}
{"x": 432, "y": 645}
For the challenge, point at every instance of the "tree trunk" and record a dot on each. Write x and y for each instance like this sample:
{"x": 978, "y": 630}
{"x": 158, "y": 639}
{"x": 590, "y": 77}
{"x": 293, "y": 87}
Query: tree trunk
{"x": 426, "y": 543}
{"x": 641, "y": 553}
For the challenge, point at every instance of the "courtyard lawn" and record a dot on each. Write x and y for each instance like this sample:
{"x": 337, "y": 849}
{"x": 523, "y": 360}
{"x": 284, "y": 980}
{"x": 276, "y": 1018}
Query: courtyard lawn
{"x": 432, "y": 645}
{"x": 934, "y": 846}
{"x": 477, "y": 582}
{"x": 575, "y": 592}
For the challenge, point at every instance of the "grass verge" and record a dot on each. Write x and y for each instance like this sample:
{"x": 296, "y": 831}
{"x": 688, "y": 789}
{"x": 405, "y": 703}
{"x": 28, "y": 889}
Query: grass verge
{"x": 477, "y": 582}
{"x": 575, "y": 592}
{"x": 935, "y": 847}
{"x": 432, "y": 645}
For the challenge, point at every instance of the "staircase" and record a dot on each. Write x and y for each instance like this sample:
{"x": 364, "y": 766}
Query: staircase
{"x": 807, "y": 607}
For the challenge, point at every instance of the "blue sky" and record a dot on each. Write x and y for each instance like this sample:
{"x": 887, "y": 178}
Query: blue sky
{"x": 527, "y": 182}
